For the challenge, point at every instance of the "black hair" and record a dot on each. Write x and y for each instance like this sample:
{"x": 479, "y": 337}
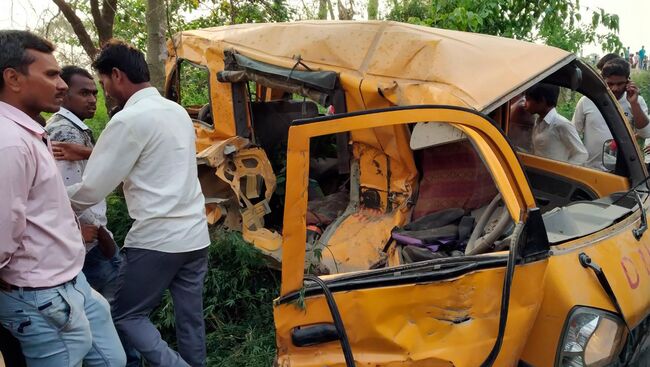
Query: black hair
{"x": 617, "y": 67}
{"x": 544, "y": 92}
{"x": 68, "y": 71}
{"x": 605, "y": 59}
{"x": 124, "y": 57}
{"x": 14, "y": 45}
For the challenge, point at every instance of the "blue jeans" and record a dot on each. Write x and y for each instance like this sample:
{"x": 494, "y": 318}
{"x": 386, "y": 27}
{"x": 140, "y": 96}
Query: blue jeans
{"x": 62, "y": 326}
{"x": 102, "y": 272}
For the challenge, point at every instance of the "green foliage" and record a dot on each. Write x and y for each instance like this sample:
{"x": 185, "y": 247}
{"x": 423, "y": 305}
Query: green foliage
{"x": 567, "y": 102}
{"x": 238, "y": 298}
{"x": 243, "y": 11}
{"x": 194, "y": 85}
{"x": 119, "y": 221}
{"x": 554, "y": 22}
{"x": 642, "y": 80}
{"x": 130, "y": 19}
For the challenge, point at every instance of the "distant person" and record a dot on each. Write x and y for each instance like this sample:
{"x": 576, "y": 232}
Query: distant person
{"x": 590, "y": 123}
{"x": 635, "y": 63}
{"x": 73, "y": 142}
{"x": 642, "y": 57}
{"x": 554, "y": 137}
{"x": 626, "y": 53}
{"x": 45, "y": 300}
{"x": 150, "y": 146}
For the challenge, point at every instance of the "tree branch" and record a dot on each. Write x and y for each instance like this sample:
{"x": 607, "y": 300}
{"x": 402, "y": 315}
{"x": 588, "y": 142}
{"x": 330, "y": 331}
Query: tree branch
{"x": 78, "y": 28}
{"x": 97, "y": 15}
{"x": 49, "y": 23}
{"x": 109, "y": 8}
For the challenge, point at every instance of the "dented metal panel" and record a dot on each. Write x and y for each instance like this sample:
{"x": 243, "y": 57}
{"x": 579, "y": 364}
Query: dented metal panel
{"x": 444, "y": 323}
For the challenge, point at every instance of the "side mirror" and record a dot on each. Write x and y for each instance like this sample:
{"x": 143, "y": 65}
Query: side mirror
{"x": 610, "y": 150}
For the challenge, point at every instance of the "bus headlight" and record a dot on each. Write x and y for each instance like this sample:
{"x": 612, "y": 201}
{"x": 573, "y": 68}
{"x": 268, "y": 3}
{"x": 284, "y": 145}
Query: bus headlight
{"x": 592, "y": 338}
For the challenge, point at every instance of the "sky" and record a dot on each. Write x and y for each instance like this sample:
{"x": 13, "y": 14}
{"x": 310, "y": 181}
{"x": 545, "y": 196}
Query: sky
{"x": 633, "y": 14}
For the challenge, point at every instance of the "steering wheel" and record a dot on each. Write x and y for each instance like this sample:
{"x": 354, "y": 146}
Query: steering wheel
{"x": 480, "y": 242}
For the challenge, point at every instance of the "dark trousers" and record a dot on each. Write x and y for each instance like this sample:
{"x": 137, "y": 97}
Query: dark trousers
{"x": 143, "y": 278}
{"x": 10, "y": 349}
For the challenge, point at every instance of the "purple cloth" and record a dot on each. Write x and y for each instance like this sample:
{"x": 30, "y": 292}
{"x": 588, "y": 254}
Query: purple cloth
{"x": 433, "y": 246}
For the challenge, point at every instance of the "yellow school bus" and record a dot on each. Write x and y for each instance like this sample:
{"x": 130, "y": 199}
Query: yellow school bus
{"x": 376, "y": 164}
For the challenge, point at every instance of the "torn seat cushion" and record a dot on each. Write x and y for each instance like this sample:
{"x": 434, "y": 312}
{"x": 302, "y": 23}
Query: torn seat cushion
{"x": 325, "y": 210}
{"x": 453, "y": 176}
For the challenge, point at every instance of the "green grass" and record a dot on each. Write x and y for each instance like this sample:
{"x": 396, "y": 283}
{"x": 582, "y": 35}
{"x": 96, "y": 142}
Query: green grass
{"x": 642, "y": 80}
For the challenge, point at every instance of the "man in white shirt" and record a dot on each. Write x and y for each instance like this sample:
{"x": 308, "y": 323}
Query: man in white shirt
{"x": 72, "y": 144}
{"x": 149, "y": 145}
{"x": 590, "y": 123}
{"x": 553, "y": 135}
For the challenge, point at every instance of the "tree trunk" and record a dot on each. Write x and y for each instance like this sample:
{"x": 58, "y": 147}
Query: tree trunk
{"x": 346, "y": 13}
{"x": 373, "y": 8}
{"x": 78, "y": 27}
{"x": 331, "y": 9}
{"x": 156, "y": 50}
{"x": 322, "y": 9}
{"x": 103, "y": 19}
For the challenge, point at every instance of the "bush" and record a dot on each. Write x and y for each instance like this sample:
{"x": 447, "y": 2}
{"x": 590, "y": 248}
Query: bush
{"x": 119, "y": 221}
{"x": 642, "y": 80}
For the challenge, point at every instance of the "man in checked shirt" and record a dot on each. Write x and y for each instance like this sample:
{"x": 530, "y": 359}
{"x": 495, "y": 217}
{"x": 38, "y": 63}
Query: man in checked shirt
{"x": 72, "y": 143}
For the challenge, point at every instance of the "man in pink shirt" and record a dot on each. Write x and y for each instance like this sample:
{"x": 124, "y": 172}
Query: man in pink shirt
{"x": 45, "y": 300}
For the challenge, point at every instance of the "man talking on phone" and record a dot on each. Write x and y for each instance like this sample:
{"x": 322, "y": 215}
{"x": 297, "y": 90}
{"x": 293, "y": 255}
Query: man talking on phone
{"x": 592, "y": 126}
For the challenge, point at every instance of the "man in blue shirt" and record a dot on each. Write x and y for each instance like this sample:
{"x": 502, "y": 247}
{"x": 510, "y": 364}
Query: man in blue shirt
{"x": 641, "y": 57}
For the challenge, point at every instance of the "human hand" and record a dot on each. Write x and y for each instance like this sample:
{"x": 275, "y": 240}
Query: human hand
{"x": 632, "y": 92}
{"x": 646, "y": 150}
{"x": 88, "y": 232}
{"x": 106, "y": 242}
{"x": 70, "y": 151}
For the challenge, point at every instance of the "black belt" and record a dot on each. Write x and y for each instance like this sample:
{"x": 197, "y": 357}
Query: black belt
{"x": 10, "y": 287}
